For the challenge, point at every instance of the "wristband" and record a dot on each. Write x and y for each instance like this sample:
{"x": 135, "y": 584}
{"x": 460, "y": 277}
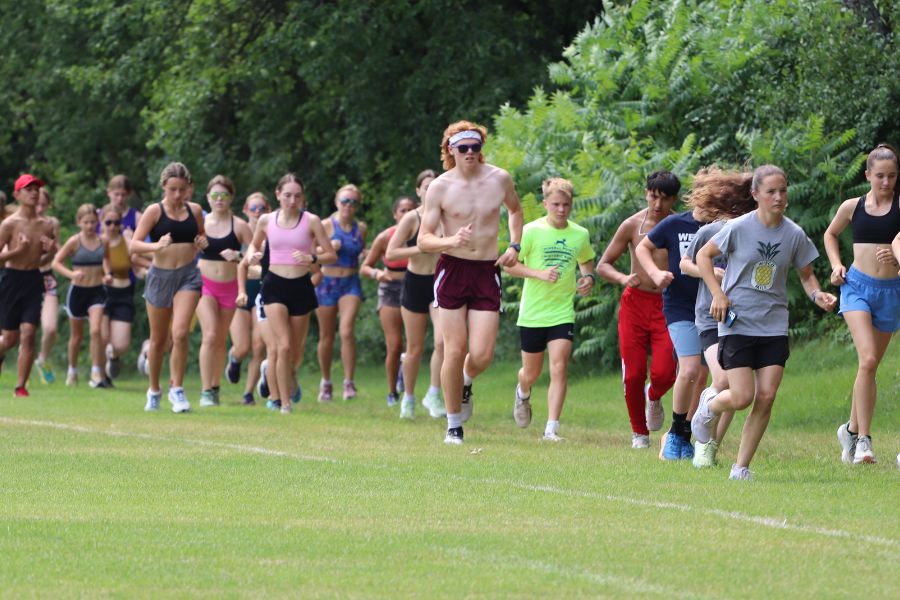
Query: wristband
{"x": 516, "y": 247}
{"x": 315, "y": 258}
{"x": 374, "y": 274}
{"x": 593, "y": 276}
{"x": 812, "y": 295}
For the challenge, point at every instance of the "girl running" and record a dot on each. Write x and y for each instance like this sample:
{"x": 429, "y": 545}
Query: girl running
{"x": 173, "y": 284}
{"x": 751, "y": 307}
{"x": 225, "y": 237}
{"x": 870, "y": 290}
{"x": 245, "y": 334}
{"x": 390, "y": 284}
{"x": 417, "y": 299}
{"x": 287, "y": 294}
{"x": 340, "y": 291}
{"x": 50, "y": 307}
{"x": 118, "y": 314}
{"x": 86, "y": 298}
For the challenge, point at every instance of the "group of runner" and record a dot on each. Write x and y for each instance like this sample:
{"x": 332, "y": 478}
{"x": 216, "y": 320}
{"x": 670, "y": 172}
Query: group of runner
{"x": 706, "y": 292}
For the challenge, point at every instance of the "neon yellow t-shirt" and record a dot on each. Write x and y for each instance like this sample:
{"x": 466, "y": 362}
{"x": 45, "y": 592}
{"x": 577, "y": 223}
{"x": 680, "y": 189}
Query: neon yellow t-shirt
{"x": 546, "y": 304}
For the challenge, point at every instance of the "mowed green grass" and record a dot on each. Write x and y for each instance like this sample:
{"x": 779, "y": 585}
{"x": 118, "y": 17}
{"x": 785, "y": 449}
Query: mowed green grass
{"x": 98, "y": 498}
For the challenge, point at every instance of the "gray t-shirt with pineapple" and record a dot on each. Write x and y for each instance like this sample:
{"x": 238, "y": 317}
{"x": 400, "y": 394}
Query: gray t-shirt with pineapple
{"x": 759, "y": 258}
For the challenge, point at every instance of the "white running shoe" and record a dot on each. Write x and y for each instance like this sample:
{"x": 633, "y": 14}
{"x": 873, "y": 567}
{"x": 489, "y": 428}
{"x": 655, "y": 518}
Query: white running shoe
{"x": 522, "y": 409}
{"x": 465, "y": 411}
{"x": 653, "y": 411}
{"x": 113, "y": 364}
{"x": 550, "y": 436}
{"x": 435, "y": 405}
{"x": 408, "y": 408}
{"x": 454, "y": 436}
{"x": 72, "y": 378}
{"x": 704, "y": 422}
{"x": 863, "y": 452}
{"x": 178, "y": 400}
{"x": 142, "y": 366}
{"x": 847, "y": 442}
{"x": 640, "y": 441}
{"x": 705, "y": 454}
{"x": 740, "y": 474}
{"x": 153, "y": 399}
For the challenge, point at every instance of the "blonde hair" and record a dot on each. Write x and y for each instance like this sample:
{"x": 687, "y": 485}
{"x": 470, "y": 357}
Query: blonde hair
{"x": 557, "y": 184}
{"x": 84, "y": 210}
{"x": 348, "y": 188}
{"x": 175, "y": 170}
{"x": 222, "y": 180}
{"x": 110, "y": 208}
{"x": 261, "y": 197}
{"x": 120, "y": 182}
{"x": 446, "y": 156}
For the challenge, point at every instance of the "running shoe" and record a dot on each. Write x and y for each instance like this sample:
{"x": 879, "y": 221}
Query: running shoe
{"x": 21, "y": 392}
{"x": 153, "y": 400}
{"x": 325, "y": 391}
{"x": 113, "y": 365}
{"x": 401, "y": 387}
{"x": 286, "y": 408}
{"x": 408, "y": 408}
{"x": 102, "y": 383}
{"x": 142, "y": 365}
{"x": 434, "y": 404}
{"x": 522, "y": 409}
{"x": 262, "y": 386}
{"x": 215, "y": 392}
{"x": 671, "y": 449}
{"x": 467, "y": 403}
{"x": 847, "y": 441}
{"x": 863, "y": 453}
{"x": 44, "y": 372}
{"x": 72, "y": 378}
{"x": 207, "y": 398}
{"x": 705, "y": 454}
{"x": 640, "y": 441}
{"x": 273, "y": 404}
{"x": 550, "y": 436}
{"x": 454, "y": 436}
{"x": 653, "y": 411}
{"x": 233, "y": 371}
{"x": 687, "y": 450}
{"x": 349, "y": 390}
{"x": 704, "y": 422}
{"x": 297, "y": 394}
{"x": 740, "y": 474}
{"x": 178, "y": 400}
{"x": 248, "y": 399}
{"x": 392, "y": 399}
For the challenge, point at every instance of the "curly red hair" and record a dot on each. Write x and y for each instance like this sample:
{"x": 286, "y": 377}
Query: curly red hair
{"x": 452, "y": 129}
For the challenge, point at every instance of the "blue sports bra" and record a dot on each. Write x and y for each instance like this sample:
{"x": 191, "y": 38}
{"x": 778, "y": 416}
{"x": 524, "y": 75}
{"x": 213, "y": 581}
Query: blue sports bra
{"x": 351, "y": 244}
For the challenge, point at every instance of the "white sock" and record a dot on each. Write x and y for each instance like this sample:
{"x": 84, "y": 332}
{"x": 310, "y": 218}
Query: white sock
{"x": 39, "y": 360}
{"x": 454, "y": 420}
{"x": 434, "y": 390}
{"x": 73, "y": 370}
{"x": 95, "y": 370}
{"x": 552, "y": 427}
{"x": 346, "y": 381}
{"x": 466, "y": 379}
{"x": 325, "y": 382}
{"x": 409, "y": 398}
{"x": 521, "y": 395}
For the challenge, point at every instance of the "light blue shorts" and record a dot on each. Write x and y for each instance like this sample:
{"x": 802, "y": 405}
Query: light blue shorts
{"x": 685, "y": 338}
{"x": 878, "y": 297}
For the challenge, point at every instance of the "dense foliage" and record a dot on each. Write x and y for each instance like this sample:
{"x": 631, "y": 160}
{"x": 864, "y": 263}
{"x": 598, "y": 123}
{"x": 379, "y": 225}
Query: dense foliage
{"x": 682, "y": 84}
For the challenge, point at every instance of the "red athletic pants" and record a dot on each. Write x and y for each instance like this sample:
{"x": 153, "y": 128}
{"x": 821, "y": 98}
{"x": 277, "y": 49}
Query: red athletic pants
{"x": 642, "y": 328}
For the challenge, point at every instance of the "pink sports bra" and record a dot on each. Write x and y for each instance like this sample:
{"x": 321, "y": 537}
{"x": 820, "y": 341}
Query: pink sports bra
{"x": 283, "y": 242}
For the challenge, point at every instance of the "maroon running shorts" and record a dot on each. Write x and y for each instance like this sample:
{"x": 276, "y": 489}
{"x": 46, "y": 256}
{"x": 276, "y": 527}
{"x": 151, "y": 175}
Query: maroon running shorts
{"x": 459, "y": 282}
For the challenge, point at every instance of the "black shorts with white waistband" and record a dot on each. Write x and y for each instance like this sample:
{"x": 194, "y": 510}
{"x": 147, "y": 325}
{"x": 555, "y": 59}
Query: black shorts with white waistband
{"x": 298, "y": 294}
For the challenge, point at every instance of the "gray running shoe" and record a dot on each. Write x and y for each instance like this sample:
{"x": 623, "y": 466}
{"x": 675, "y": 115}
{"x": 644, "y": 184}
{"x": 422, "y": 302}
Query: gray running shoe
{"x": 863, "y": 453}
{"x": 847, "y": 442}
{"x": 653, "y": 411}
{"x": 704, "y": 422}
{"x": 740, "y": 474}
{"x": 522, "y": 409}
{"x": 640, "y": 441}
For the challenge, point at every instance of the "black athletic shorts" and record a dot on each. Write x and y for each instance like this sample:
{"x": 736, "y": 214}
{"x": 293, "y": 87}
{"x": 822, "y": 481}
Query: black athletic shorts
{"x": 417, "y": 294}
{"x": 535, "y": 339}
{"x": 21, "y": 296}
{"x": 79, "y": 300}
{"x": 252, "y": 286}
{"x": 120, "y": 304}
{"x": 708, "y": 338}
{"x": 298, "y": 295}
{"x": 736, "y": 351}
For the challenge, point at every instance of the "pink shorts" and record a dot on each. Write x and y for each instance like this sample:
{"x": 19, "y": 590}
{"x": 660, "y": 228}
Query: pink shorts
{"x": 225, "y": 292}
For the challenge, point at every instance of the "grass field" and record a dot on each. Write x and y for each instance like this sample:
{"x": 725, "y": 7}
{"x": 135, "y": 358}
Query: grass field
{"x": 99, "y": 499}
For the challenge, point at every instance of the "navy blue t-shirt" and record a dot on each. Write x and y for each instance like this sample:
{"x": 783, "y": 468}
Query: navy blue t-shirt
{"x": 674, "y": 233}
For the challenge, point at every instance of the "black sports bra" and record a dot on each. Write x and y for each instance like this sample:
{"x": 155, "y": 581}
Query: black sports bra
{"x": 183, "y": 232}
{"x": 216, "y": 245}
{"x": 415, "y": 237}
{"x": 870, "y": 229}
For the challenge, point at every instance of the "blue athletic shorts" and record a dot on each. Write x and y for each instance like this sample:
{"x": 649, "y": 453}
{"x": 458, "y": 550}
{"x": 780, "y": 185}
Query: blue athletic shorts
{"x": 685, "y": 338}
{"x": 878, "y": 297}
{"x": 332, "y": 289}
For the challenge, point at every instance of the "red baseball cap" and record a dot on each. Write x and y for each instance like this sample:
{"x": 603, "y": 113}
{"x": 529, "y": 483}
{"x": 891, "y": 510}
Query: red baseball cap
{"x": 26, "y": 180}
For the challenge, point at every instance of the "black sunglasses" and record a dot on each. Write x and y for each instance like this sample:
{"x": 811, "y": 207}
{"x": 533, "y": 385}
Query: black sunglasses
{"x": 464, "y": 148}
{"x": 352, "y": 201}
{"x": 111, "y": 223}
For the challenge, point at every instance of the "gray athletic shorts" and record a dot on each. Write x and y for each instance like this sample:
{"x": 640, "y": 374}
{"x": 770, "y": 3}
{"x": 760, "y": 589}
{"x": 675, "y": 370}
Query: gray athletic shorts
{"x": 161, "y": 285}
{"x": 389, "y": 293}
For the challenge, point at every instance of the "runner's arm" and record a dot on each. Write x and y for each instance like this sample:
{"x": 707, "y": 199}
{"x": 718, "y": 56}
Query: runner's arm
{"x": 368, "y": 267}
{"x": 644, "y": 254}
{"x": 327, "y": 254}
{"x": 832, "y": 247}
{"x": 718, "y": 309}
{"x": 397, "y": 248}
{"x": 616, "y": 248}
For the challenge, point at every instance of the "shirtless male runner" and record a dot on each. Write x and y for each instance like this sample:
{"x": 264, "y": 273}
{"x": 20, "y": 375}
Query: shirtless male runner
{"x": 25, "y": 239}
{"x": 466, "y": 199}
{"x": 641, "y": 321}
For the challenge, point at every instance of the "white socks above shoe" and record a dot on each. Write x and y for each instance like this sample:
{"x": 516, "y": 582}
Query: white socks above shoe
{"x": 552, "y": 427}
{"x": 434, "y": 390}
{"x": 73, "y": 371}
{"x": 454, "y": 420}
{"x": 407, "y": 397}
{"x": 466, "y": 379}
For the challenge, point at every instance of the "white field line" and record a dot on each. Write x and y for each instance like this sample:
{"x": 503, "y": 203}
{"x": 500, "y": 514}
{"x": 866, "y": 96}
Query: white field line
{"x": 770, "y": 522}
{"x": 181, "y": 440}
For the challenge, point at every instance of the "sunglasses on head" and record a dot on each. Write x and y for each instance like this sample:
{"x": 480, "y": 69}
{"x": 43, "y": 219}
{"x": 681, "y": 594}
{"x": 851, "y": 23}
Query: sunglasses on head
{"x": 464, "y": 148}
{"x": 110, "y": 223}
{"x": 256, "y": 208}
{"x": 350, "y": 201}
{"x": 220, "y": 195}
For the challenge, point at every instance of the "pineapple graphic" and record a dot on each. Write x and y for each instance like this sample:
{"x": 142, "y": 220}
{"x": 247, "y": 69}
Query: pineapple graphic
{"x": 764, "y": 271}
